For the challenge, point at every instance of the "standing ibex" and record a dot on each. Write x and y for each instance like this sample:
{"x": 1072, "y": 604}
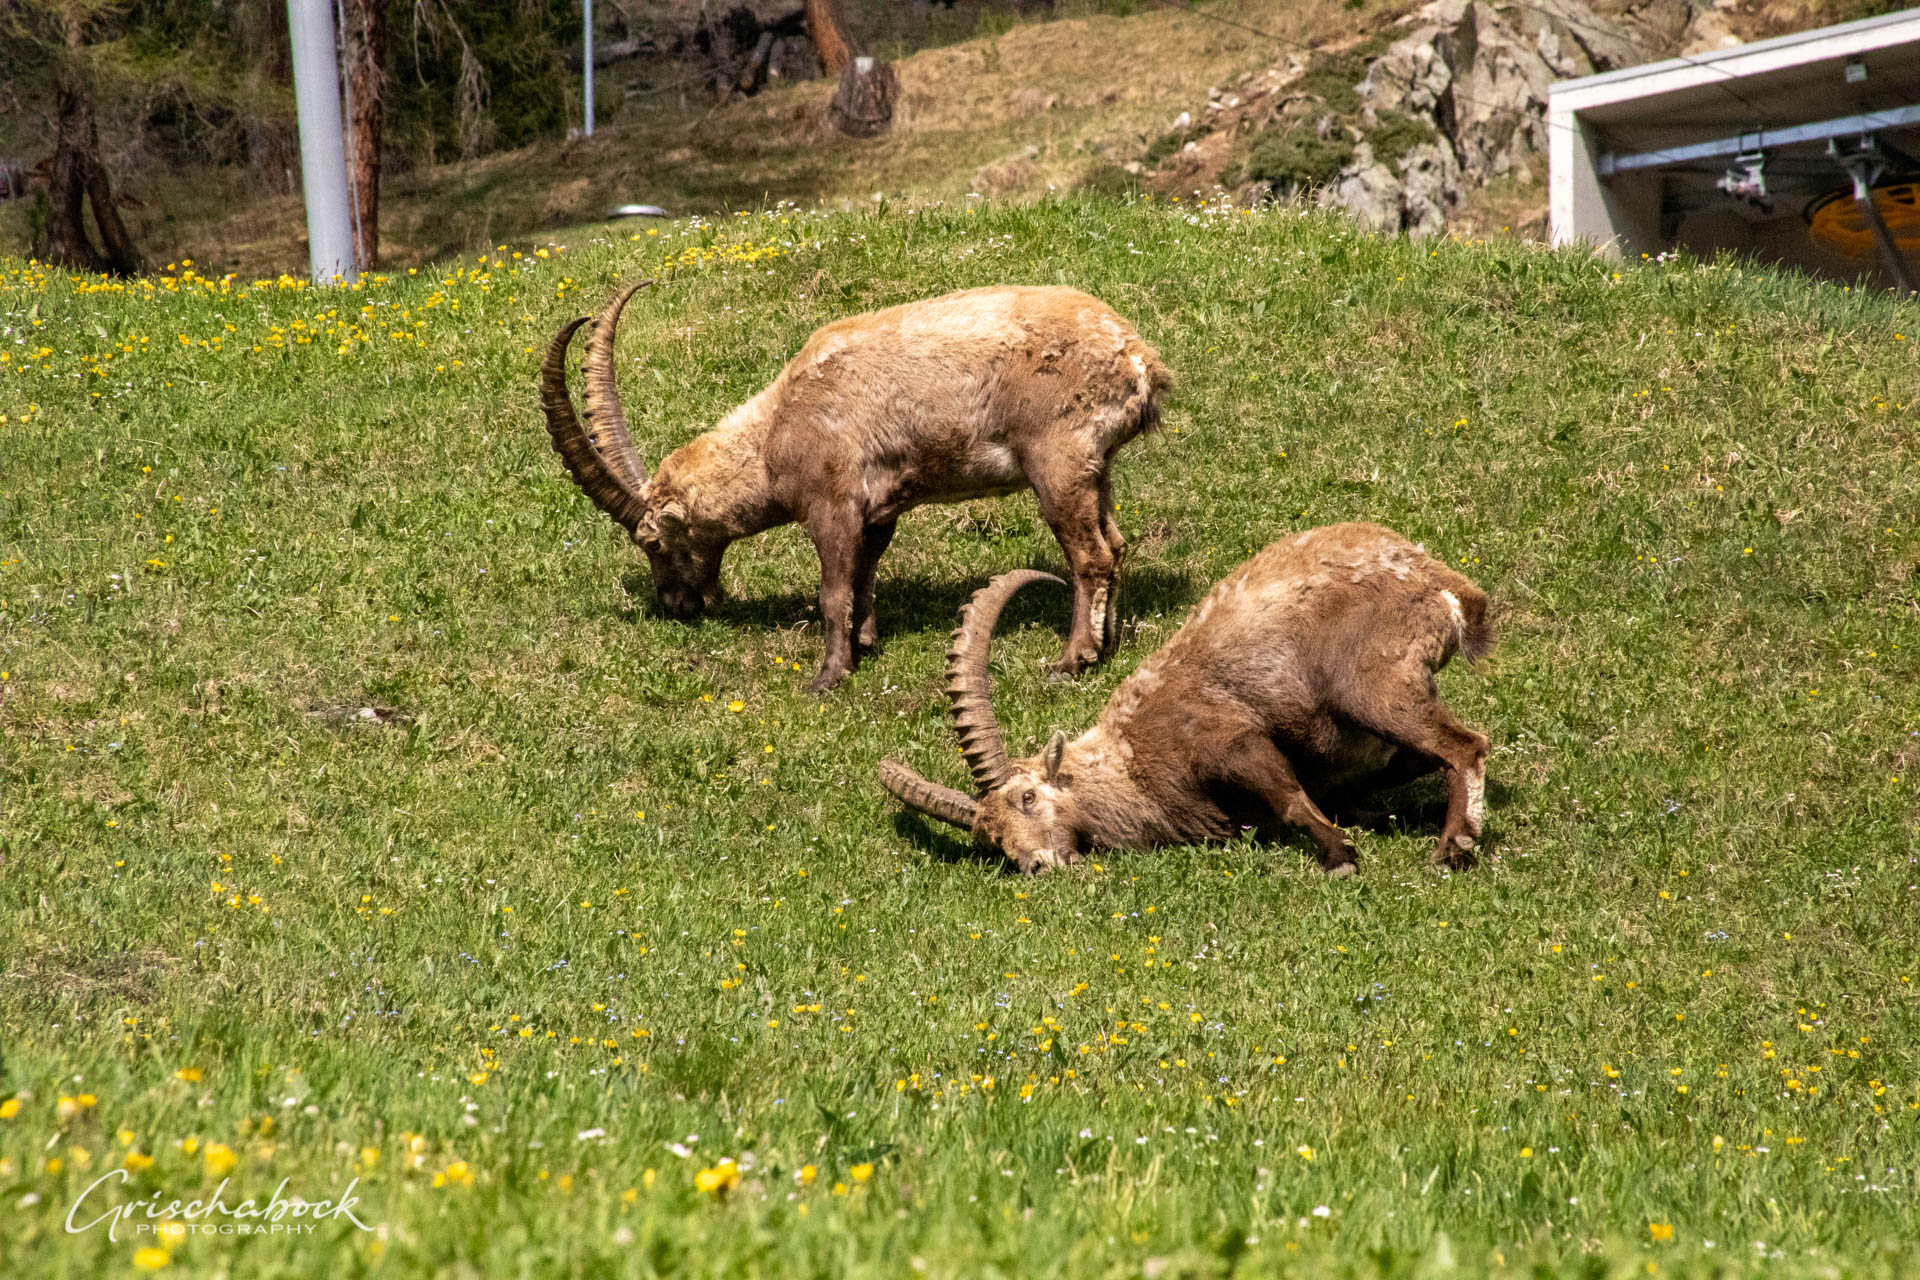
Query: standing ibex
{"x": 1310, "y": 665}
{"x": 977, "y": 393}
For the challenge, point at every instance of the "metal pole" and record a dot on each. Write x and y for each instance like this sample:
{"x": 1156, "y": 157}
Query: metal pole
{"x": 1889, "y": 251}
{"x": 1864, "y": 165}
{"x": 323, "y": 152}
{"x": 588, "y": 61}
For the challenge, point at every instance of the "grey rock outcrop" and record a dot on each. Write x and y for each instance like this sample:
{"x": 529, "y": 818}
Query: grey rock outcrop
{"x": 1479, "y": 74}
{"x": 1415, "y": 195}
{"x": 1396, "y": 130}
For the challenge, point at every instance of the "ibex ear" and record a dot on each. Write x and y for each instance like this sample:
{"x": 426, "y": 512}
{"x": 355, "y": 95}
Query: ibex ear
{"x": 1051, "y": 758}
{"x": 670, "y": 523}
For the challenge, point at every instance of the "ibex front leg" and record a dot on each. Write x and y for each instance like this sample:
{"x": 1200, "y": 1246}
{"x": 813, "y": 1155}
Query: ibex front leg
{"x": 1252, "y": 763}
{"x": 1117, "y": 548}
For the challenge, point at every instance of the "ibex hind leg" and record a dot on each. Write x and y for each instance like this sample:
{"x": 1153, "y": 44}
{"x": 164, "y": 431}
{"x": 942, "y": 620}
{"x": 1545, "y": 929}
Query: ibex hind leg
{"x": 1073, "y": 512}
{"x": 838, "y": 543}
{"x": 873, "y": 545}
{"x": 1117, "y": 548}
{"x": 1410, "y": 715}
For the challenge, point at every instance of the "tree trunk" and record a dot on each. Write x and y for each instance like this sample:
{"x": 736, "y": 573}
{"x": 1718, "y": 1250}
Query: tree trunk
{"x": 827, "y": 28}
{"x": 67, "y": 244}
{"x": 366, "y": 59}
{"x": 122, "y": 259}
{"x": 76, "y": 178}
{"x": 863, "y": 105}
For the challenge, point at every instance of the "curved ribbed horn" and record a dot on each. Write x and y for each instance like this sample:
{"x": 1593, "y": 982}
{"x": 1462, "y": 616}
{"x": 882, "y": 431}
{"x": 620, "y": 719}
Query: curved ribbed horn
{"x": 970, "y": 688}
{"x": 610, "y": 438}
{"x": 609, "y": 492}
{"x": 930, "y": 798}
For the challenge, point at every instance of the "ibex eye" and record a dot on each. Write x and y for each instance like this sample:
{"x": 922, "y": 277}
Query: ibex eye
{"x": 1026, "y": 802}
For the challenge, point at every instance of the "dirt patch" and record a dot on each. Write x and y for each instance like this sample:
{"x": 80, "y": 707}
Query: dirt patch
{"x": 64, "y": 977}
{"x": 358, "y": 713}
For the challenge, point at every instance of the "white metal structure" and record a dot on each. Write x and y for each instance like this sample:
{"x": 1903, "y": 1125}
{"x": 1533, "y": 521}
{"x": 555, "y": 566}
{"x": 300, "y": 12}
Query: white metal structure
{"x": 323, "y": 151}
{"x": 1729, "y": 149}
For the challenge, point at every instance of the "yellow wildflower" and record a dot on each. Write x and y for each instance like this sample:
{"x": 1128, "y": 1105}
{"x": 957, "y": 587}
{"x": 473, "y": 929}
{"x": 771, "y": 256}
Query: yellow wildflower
{"x": 720, "y": 1179}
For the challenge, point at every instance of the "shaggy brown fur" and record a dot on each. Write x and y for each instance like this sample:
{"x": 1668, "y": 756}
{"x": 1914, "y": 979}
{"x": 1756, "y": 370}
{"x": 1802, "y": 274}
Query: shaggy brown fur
{"x": 976, "y": 393}
{"x": 1311, "y": 665}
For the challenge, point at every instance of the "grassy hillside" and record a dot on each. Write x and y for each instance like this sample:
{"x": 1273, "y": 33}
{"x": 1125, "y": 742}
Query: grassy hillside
{"x": 1009, "y": 105}
{"x": 1024, "y": 104}
{"x": 592, "y": 883}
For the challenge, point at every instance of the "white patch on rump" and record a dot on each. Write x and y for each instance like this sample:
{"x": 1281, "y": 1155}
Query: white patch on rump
{"x": 996, "y": 463}
{"x": 1459, "y": 615}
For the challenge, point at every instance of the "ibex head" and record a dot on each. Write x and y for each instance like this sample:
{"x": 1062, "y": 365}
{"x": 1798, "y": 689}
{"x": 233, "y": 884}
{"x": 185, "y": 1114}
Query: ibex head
{"x": 1025, "y": 807}
{"x": 685, "y": 558}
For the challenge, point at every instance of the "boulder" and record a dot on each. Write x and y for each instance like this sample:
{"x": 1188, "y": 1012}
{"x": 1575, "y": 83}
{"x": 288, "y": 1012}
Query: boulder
{"x": 1418, "y": 199}
{"x": 1368, "y": 191}
{"x": 1431, "y": 188}
{"x": 1480, "y": 82}
{"x": 1708, "y": 31}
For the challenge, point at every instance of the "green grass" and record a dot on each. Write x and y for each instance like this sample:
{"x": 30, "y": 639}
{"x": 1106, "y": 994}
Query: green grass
{"x": 1688, "y": 486}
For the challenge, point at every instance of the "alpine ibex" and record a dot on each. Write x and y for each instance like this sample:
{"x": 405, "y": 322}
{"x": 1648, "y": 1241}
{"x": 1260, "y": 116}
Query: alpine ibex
{"x": 1311, "y": 665}
{"x": 976, "y": 393}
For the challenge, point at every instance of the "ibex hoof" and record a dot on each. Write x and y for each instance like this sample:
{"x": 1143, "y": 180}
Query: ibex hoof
{"x": 1067, "y": 667}
{"x": 826, "y": 680}
{"x": 1340, "y": 871}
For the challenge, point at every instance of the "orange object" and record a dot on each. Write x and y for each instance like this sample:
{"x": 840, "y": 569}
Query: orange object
{"x": 1837, "y": 222}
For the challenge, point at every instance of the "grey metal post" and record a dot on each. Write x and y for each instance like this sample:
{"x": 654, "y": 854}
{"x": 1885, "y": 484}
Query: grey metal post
{"x": 323, "y": 151}
{"x": 1864, "y": 165}
{"x": 588, "y": 62}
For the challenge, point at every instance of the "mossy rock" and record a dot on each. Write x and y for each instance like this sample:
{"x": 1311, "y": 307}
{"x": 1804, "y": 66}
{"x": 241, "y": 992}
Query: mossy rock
{"x": 1395, "y": 133}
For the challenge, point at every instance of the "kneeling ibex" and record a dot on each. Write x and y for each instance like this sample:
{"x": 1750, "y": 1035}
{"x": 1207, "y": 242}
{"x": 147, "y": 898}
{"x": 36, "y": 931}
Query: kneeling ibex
{"x": 1313, "y": 662}
{"x": 976, "y": 393}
